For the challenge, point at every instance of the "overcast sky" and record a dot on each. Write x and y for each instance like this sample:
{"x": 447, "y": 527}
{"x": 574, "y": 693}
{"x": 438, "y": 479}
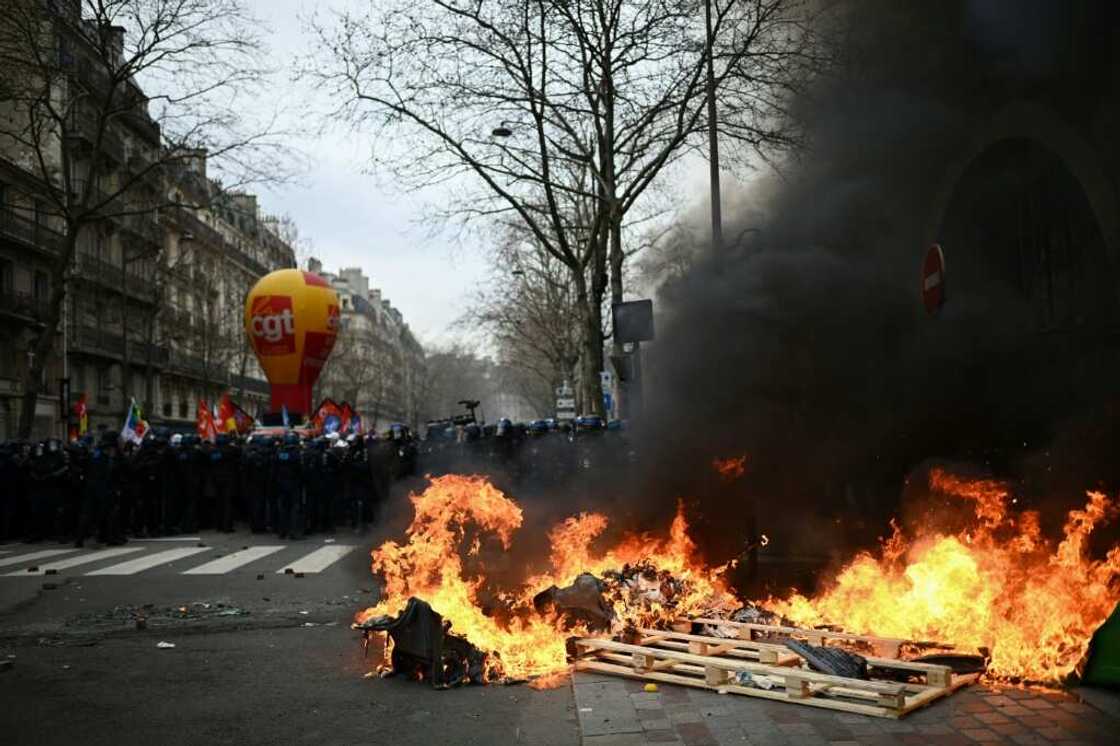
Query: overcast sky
{"x": 355, "y": 219}
{"x": 352, "y": 218}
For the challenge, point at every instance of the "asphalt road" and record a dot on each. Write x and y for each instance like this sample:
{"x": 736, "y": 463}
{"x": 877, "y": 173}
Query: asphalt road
{"x": 260, "y": 656}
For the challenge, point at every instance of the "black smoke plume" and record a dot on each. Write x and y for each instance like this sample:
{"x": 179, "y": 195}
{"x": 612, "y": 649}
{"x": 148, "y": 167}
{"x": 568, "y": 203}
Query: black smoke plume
{"x": 805, "y": 345}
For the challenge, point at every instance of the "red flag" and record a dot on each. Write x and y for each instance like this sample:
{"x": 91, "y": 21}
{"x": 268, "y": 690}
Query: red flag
{"x": 81, "y": 415}
{"x": 243, "y": 420}
{"x": 204, "y": 422}
{"x": 227, "y": 423}
{"x": 327, "y": 416}
{"x": 345, "y": 414}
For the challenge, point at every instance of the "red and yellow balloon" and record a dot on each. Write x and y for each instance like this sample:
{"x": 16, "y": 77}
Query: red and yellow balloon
{"x": 292, "y": 320}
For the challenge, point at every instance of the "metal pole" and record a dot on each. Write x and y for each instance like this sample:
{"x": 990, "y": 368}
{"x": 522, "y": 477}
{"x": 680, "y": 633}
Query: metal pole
{"x": 713, "y": 134}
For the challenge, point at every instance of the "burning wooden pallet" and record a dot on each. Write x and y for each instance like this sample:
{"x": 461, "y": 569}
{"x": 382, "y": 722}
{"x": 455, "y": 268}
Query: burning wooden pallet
{"x": 771, "y": 671}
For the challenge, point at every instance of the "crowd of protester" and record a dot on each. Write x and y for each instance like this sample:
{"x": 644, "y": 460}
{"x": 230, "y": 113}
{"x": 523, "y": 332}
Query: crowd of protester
{"x": 101, "y": 487}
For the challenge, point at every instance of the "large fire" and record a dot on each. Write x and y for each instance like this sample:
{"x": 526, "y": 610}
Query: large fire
{"x": 446, "y": 536}
{"x": 998, "y": 585}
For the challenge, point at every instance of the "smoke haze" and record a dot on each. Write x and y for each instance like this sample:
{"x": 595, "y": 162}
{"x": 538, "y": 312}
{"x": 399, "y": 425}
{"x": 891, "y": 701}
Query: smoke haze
{"x": 805, "y": 345}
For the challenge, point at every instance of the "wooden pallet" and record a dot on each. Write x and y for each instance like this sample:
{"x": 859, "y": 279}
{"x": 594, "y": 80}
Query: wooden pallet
{"x": 884, "y": 647}
{"x": 712, "y": 663}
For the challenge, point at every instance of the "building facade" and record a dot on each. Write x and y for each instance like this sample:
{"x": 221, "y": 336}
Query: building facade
{"x": 377, "y": 364}
{"x": 155, "y": 288}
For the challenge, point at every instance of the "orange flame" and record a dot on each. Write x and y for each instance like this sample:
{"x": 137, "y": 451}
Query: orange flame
{"x": 730, "y": 468}
{"x": 999, "y": 586}
{"x": 431, "y": 566}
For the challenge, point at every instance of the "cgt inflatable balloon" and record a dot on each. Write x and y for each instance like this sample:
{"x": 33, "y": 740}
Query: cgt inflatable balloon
{"x": 292, "y": 320}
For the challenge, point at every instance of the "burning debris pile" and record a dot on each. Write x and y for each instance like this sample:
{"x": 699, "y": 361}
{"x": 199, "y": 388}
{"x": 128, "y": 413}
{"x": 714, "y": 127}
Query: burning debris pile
{"x": 995, "y": 585}
{"x": 644, "y": 580}
{"x": 995, "y": 592}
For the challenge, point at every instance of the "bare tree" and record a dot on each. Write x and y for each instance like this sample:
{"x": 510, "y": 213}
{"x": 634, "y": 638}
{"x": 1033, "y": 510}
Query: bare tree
{"x": 530, "y": 312}
{"x": 563, "y": 113}
{"x": 359, "y": 368}
{"x": 70, "y": 75}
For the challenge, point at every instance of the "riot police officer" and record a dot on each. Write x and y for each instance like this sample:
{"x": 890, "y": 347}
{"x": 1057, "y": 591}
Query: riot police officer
{"x": 289, "y": 488}
{"x": 148, "y": 484}
{"x": 225, "y": 460}
{"x": 382, "y": 460}
{"x": 331, "y": 484}
{"x": 101, "y": 495}
{"x": 257, "y": 486}
{"x": 47, "y": 488}
{"x": 189, "y": 474}
{"x": 12, "y": 495}
{"x": 77, "y": 456}
{"x": 357, "y": 483}
{"x": 313, "y": 462}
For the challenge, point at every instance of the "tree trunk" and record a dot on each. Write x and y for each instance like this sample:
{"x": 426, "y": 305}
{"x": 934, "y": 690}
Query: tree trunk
{"x": 591, "y": 359}
{"x": 44, "y": 343}
{"x": 626, "y": 397}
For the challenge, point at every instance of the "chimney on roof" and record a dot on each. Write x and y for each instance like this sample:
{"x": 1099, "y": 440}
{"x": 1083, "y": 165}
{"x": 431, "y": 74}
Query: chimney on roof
{"x": 314, "y": 265}
{"x": 196, "y": 160}
{"x": 113, "y": 38}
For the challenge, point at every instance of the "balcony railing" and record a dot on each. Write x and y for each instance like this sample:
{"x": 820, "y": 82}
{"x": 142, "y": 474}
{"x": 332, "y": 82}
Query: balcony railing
{"x": 194, "y": 365}
{"x": 25, "y": 305}
{"x": 208, "y": 236}
{"x": 99, "y": 197}
{"x": 17, "y": 227}
{"x": 254, "y": 266}
{"x": 255, "y": 385}
{"x": 98, "y": 270}
{"x": 83, "y": 127}
{"x": 92, "y": 75}
{"x": 96, "y": 340}
{"x": 203, "y": 233}
{"x": 139, "y": 352}
{"x": 144, "y": 226}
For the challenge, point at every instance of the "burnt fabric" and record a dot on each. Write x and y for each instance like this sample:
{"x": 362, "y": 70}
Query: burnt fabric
{"x": 422, "y": 644}
{"x": 832, "y": 661}
{"x": 581, "y": 602}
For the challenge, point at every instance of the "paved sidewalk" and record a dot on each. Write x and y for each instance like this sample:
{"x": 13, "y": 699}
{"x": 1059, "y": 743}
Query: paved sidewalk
{"x": 616, "y": 712}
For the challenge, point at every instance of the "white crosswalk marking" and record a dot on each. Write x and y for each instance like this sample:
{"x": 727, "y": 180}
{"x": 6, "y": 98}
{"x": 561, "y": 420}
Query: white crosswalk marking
{"x": 30, "y": 558}
{"x": 320, "y": 559}
{"x": 81, "y": 559}
{"x": 131, "y": 567}
{"x": 230, "y": 562}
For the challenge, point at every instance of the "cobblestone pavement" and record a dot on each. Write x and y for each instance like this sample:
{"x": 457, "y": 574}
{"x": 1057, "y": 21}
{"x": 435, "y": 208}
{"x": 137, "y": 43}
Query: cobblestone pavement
{"x": 616, "y": 712}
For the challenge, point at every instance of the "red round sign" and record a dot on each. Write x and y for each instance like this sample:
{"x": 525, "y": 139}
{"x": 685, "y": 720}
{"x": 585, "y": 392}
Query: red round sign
{"x": 933, "y": 279}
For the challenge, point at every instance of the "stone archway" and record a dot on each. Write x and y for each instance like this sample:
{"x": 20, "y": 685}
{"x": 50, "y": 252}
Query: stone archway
{"x": 1031, "y": 330}
{"x": 1028, "y": 249}
{"x": 1027, "y": 120}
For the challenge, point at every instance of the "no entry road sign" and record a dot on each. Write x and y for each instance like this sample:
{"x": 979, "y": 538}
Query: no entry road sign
{"x": 933, "y": 279}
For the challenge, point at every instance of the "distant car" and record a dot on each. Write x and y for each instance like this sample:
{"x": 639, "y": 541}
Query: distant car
{"x": 303, "y": 431}
{"x": 589, "y": 422}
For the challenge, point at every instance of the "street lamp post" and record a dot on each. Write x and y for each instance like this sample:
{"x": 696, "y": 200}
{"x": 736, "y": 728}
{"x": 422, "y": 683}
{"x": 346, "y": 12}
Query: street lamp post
{"x": 713, "y": 133}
